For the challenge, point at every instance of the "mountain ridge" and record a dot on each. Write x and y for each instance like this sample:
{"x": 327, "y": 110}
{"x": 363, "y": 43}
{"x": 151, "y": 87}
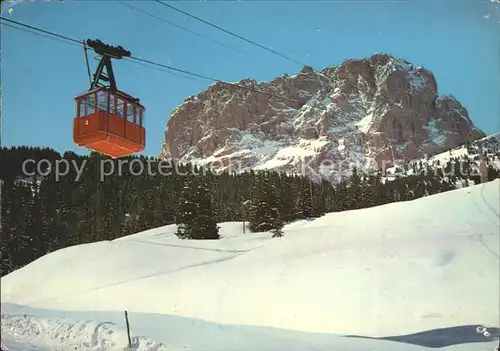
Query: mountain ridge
{"x": 369, "y": 112}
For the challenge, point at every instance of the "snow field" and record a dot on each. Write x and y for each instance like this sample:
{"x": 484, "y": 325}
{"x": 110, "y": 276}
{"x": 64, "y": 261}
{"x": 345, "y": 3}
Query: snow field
{"x": 396, "y": 269}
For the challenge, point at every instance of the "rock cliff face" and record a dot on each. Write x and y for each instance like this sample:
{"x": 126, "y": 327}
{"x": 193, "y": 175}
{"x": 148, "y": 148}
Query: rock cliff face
{"x": 365, "y": 113}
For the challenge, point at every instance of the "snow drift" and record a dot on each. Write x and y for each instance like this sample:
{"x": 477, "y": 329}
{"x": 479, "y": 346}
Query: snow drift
{"x": 396, "y": 269}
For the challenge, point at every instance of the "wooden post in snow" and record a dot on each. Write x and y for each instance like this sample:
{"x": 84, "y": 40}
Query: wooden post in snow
{"x": 128, "y": 332}
{"x": 244, "y": 204}
{"x": 311, "y": 193}
{"x": 243, "y": 215}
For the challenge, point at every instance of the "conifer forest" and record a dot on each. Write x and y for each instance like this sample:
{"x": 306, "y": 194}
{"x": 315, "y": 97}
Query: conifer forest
{"x": 41, "y": 214}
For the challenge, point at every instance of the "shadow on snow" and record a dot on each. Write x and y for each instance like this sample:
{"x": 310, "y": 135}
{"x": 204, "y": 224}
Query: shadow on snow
{"x": 442, "y": 337}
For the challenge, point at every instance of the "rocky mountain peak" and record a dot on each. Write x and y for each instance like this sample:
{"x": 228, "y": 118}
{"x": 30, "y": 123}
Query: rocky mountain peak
{"x": 367, "y": 112}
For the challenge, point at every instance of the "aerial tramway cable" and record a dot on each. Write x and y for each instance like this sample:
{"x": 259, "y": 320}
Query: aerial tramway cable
{"x": 69, "y": 40}
{"x": 170, "y": 69}
{"x": 230, "y": 32}
{"x": 390, "y": 140}
{"x": 179, "y": 26}
{"x": 177, "y": 71}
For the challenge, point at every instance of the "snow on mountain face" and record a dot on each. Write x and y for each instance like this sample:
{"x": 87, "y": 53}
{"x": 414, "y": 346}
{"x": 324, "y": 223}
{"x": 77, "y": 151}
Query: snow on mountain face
{"x": 364, "y": 112}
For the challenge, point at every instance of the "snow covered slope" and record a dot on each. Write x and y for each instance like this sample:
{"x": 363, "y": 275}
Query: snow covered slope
{"x": 27, "y": 329}
{"x": 396, "y": 269}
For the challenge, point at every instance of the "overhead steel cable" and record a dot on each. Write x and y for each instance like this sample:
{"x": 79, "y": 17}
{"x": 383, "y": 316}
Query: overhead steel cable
{"x": 42, "y": 31}
{"x": 354, "y": 87}
{"x": 40, "y": 34}
{"x": 80, "y": 44}
{"x": 194, "y": 79}
{"x": 258, "y": 45}
{"x": 152, "y": 63}
{"x": 138, "y": 59}
{"x": 229, "y": 32}
{"x": 179, "y": 26}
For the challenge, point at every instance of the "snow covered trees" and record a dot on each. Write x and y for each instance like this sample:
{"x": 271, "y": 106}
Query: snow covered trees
{"x": 195, "y": 218}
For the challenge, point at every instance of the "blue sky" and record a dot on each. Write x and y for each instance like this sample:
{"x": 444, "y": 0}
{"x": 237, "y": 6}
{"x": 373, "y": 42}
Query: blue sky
{"x": 457, "y": 41}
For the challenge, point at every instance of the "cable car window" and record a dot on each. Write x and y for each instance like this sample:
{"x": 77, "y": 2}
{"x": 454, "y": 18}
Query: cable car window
{"x": 130, "y": 112}
{"x": 90, "y": 104}
{"x": 82, "y": 106}
{"x": 102, "y": 101}
{"x": 142, "y": 118}
{"x": 112, "y": 106}
{"x": 120, "y": 106}
{"x": 136, "y": 114}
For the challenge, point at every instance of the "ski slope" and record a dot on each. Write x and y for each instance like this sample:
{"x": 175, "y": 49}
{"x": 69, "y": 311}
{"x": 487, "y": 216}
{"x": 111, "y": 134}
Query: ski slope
{"x": 393, "y": 270}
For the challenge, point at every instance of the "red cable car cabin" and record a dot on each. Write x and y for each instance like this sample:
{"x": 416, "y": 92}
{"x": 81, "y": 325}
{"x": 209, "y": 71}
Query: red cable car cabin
{"x": 108, "y": 120}
{"x": 110, "y": 123}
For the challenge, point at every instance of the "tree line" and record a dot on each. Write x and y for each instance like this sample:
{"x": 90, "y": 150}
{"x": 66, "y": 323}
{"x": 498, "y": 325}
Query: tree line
{"x": 41, "y": 214}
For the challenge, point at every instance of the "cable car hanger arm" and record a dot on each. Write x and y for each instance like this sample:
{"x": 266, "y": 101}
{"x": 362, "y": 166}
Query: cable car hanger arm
{"x": 107, "y": 52}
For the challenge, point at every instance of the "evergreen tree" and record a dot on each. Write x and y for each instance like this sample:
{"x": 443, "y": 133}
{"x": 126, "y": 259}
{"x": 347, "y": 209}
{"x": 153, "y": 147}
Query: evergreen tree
{"x": 195, "y": 217}
{"x": 354, "y": 190}
{"x": 304, "y": 201}
{"x": 263, "y": 214}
